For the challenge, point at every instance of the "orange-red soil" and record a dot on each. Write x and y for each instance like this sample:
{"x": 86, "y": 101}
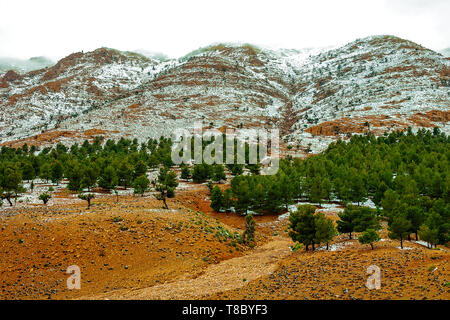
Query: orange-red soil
{"x": 134, "y": 249}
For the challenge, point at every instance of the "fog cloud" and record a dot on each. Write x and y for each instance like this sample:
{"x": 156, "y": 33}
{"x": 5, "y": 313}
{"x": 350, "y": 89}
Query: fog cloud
{"x": 58, "y": 28}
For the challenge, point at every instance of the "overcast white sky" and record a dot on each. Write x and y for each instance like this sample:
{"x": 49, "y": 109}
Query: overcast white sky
{"x": 58, "y": 28}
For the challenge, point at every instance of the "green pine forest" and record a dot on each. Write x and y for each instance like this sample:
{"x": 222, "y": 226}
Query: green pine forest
{"x": 405, "y": 174}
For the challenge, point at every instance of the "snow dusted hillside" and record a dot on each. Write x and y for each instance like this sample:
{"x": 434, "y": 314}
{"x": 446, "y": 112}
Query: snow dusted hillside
{"x": 376, "y": 84}
{"x": 43, "y": 99}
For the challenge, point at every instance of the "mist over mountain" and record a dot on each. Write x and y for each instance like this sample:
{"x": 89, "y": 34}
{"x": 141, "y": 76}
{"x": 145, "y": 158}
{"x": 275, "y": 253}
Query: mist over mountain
{"x": 153, "y": 55}
{"x": 445, "y": 52}
{"x": 22, "y": 66}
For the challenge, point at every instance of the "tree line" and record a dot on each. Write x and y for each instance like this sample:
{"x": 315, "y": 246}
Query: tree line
{"x": 108, "y": 165}
{"x": 406, "y": 175}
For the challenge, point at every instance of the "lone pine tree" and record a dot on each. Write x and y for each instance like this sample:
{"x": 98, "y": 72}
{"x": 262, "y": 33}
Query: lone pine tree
{"x": 369, "y": 237}
{"x": 217, "y": 201}
{"x": 399, "y": 228}
{"x": 141, "y": 185}
{"x": 87, "y": 197}
{"x": 44, "y": 197}
{"x": 248, "y": 237}
{"x": 167, "y": 182}
{"x": 325, "y": 230}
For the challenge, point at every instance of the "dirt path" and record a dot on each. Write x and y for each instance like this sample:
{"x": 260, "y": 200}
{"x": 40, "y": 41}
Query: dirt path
{"x": 227, "y": 275}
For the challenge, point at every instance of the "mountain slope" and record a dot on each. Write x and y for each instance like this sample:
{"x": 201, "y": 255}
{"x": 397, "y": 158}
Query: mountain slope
{"x": 45, "y": 98}
{"x": 379, "y": 83}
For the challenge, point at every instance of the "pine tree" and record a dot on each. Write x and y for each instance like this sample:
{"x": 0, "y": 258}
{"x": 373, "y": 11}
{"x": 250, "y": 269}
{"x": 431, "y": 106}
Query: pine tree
{"x": 242, "y": 192}
{"x": 201, "y": 173}
{"x": 140, "y": 169}
{"x": 316, "y": 192}
{"x": 369, "y": 237}
{"x": 302, "y": 225}
{"x": 248, "y": 237}
{"x": 237, "y": 169}
{"x": 366, "y": 218}
{"x": 185, "y": 173}
{"x": 10, "y": 183}
{"x": 216, "y": 199}
{"x": 228, "y": 200}
{"x": 45, "y": 171}
{"x": 342, "y": 189}
{"x": 325, "y": 230}
{"x": 125, "y": 174}
{"x": 358, "y": 191}
{"x": 347, "y": 221}
{"x": 153, "y": 161}
{"x": 274, "y": 198}
{"x": 44, "y": 197}
{"x": 87, "y": 197}
{"x": 417, "y": 217}
{"x": 431, "y": 236}
{"x": 75, "y": 175}
{"x": 28, "y": 172}
{"x": 210, "y": 186}
{"x": 141, "y": 184}
{"x": 56, "y": 171}
{"x": 258, "y": 196}
{"x": 437, "y": 224}
{"x": 399, "y": 228}
{"x": 389, "y": 201}
{"x": 108, "y": 178}
{"x": 167, "y": 182}
{"x": 90, "y": 176}
{"x": 326, "y": 188}
{"x": 287, "y": 189}
{"x": 218, "y": 173}
{"x": 254, "y": 168}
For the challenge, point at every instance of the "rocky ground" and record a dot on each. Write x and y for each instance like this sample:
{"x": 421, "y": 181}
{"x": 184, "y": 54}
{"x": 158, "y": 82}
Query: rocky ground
{"x": 134, "y": 249}
{"x": 413, "y": 273}
{"x": 130, "y": 244}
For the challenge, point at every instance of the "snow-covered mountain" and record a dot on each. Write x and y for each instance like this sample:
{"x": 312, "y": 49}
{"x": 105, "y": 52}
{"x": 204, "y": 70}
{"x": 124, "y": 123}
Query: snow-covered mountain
{"x": 379, "y": 83}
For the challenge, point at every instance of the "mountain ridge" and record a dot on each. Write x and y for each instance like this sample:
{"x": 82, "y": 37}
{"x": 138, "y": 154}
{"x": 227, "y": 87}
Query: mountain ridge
{"x": 313, "y": 97}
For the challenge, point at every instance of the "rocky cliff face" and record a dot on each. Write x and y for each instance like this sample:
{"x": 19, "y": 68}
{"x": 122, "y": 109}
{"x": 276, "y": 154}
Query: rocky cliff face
{"x": 374, "y": 84}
